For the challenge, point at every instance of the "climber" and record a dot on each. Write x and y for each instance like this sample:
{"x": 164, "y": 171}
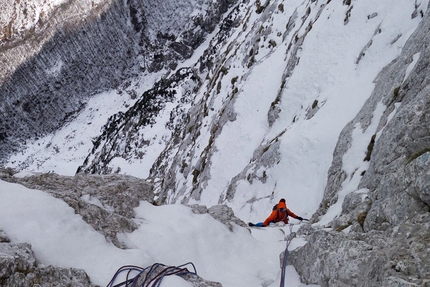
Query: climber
{"x": 280, "y": 213}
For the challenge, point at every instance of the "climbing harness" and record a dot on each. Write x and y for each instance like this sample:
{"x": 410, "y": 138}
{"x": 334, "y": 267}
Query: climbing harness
{"x": 150, "y": 276}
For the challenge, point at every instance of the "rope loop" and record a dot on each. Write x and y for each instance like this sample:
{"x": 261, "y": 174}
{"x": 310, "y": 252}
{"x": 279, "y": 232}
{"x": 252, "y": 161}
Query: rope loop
{"x": 150, "y": 276}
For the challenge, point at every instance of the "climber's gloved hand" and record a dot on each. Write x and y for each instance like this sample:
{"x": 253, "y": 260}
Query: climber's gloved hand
{"x": 299, "y": 218}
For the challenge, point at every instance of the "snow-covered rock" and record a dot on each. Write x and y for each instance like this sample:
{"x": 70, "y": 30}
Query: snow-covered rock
{"x": 19, "y": 267}
{"x": 385, "y": 211}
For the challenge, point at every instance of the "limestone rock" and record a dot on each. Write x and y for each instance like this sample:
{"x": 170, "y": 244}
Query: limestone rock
{"x": 105, "y": 202}
{"x": 19, "y": 267}
{"x": 381, "y": 236}
{"x": 221, "y": 212}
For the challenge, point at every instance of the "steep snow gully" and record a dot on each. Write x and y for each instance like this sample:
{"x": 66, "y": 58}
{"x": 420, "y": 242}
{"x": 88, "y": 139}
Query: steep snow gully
{"x": 144, "y": 132}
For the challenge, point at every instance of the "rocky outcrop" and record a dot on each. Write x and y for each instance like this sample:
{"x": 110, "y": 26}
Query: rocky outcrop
{"x": 106, "y": 202}
{"x": 222, "y": 213}
{"x": 19, "y": 267}
{"x": 381, "y": 236}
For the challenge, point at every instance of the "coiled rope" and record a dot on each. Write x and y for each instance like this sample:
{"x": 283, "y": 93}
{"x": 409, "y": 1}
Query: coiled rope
{"x": 150, "y": 276}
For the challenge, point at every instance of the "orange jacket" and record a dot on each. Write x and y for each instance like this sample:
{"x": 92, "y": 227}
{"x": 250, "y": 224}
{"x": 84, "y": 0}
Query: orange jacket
{"x": 277, "y": 215}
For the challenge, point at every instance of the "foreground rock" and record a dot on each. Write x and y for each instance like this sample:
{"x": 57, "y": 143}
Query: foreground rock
{"x": 19, "y": 267}
{"x": 106, "y": 202}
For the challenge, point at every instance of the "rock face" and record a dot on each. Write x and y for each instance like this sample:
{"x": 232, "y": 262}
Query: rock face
{"x": 19, "y": 267}
{"x": 183, "y": 166}
{"x": 56, "y": 57}
{"x": 381, "y": 236}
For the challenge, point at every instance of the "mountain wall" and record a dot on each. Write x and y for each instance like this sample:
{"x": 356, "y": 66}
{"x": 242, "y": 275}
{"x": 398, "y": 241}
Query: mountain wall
{"x": 381, "y": 236}
{"x": 262, "y": 113}
{"x": 202, "y": 101}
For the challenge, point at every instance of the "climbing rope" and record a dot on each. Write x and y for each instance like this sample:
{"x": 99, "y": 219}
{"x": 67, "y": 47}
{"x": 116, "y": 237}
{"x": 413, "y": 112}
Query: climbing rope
{"x": 150, "y": 276}
{"x": 284, "y": 262}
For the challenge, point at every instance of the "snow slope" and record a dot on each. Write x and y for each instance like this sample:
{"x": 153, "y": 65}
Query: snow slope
{"x": 338, "y": 61}
{"x": 61, "y": 238}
